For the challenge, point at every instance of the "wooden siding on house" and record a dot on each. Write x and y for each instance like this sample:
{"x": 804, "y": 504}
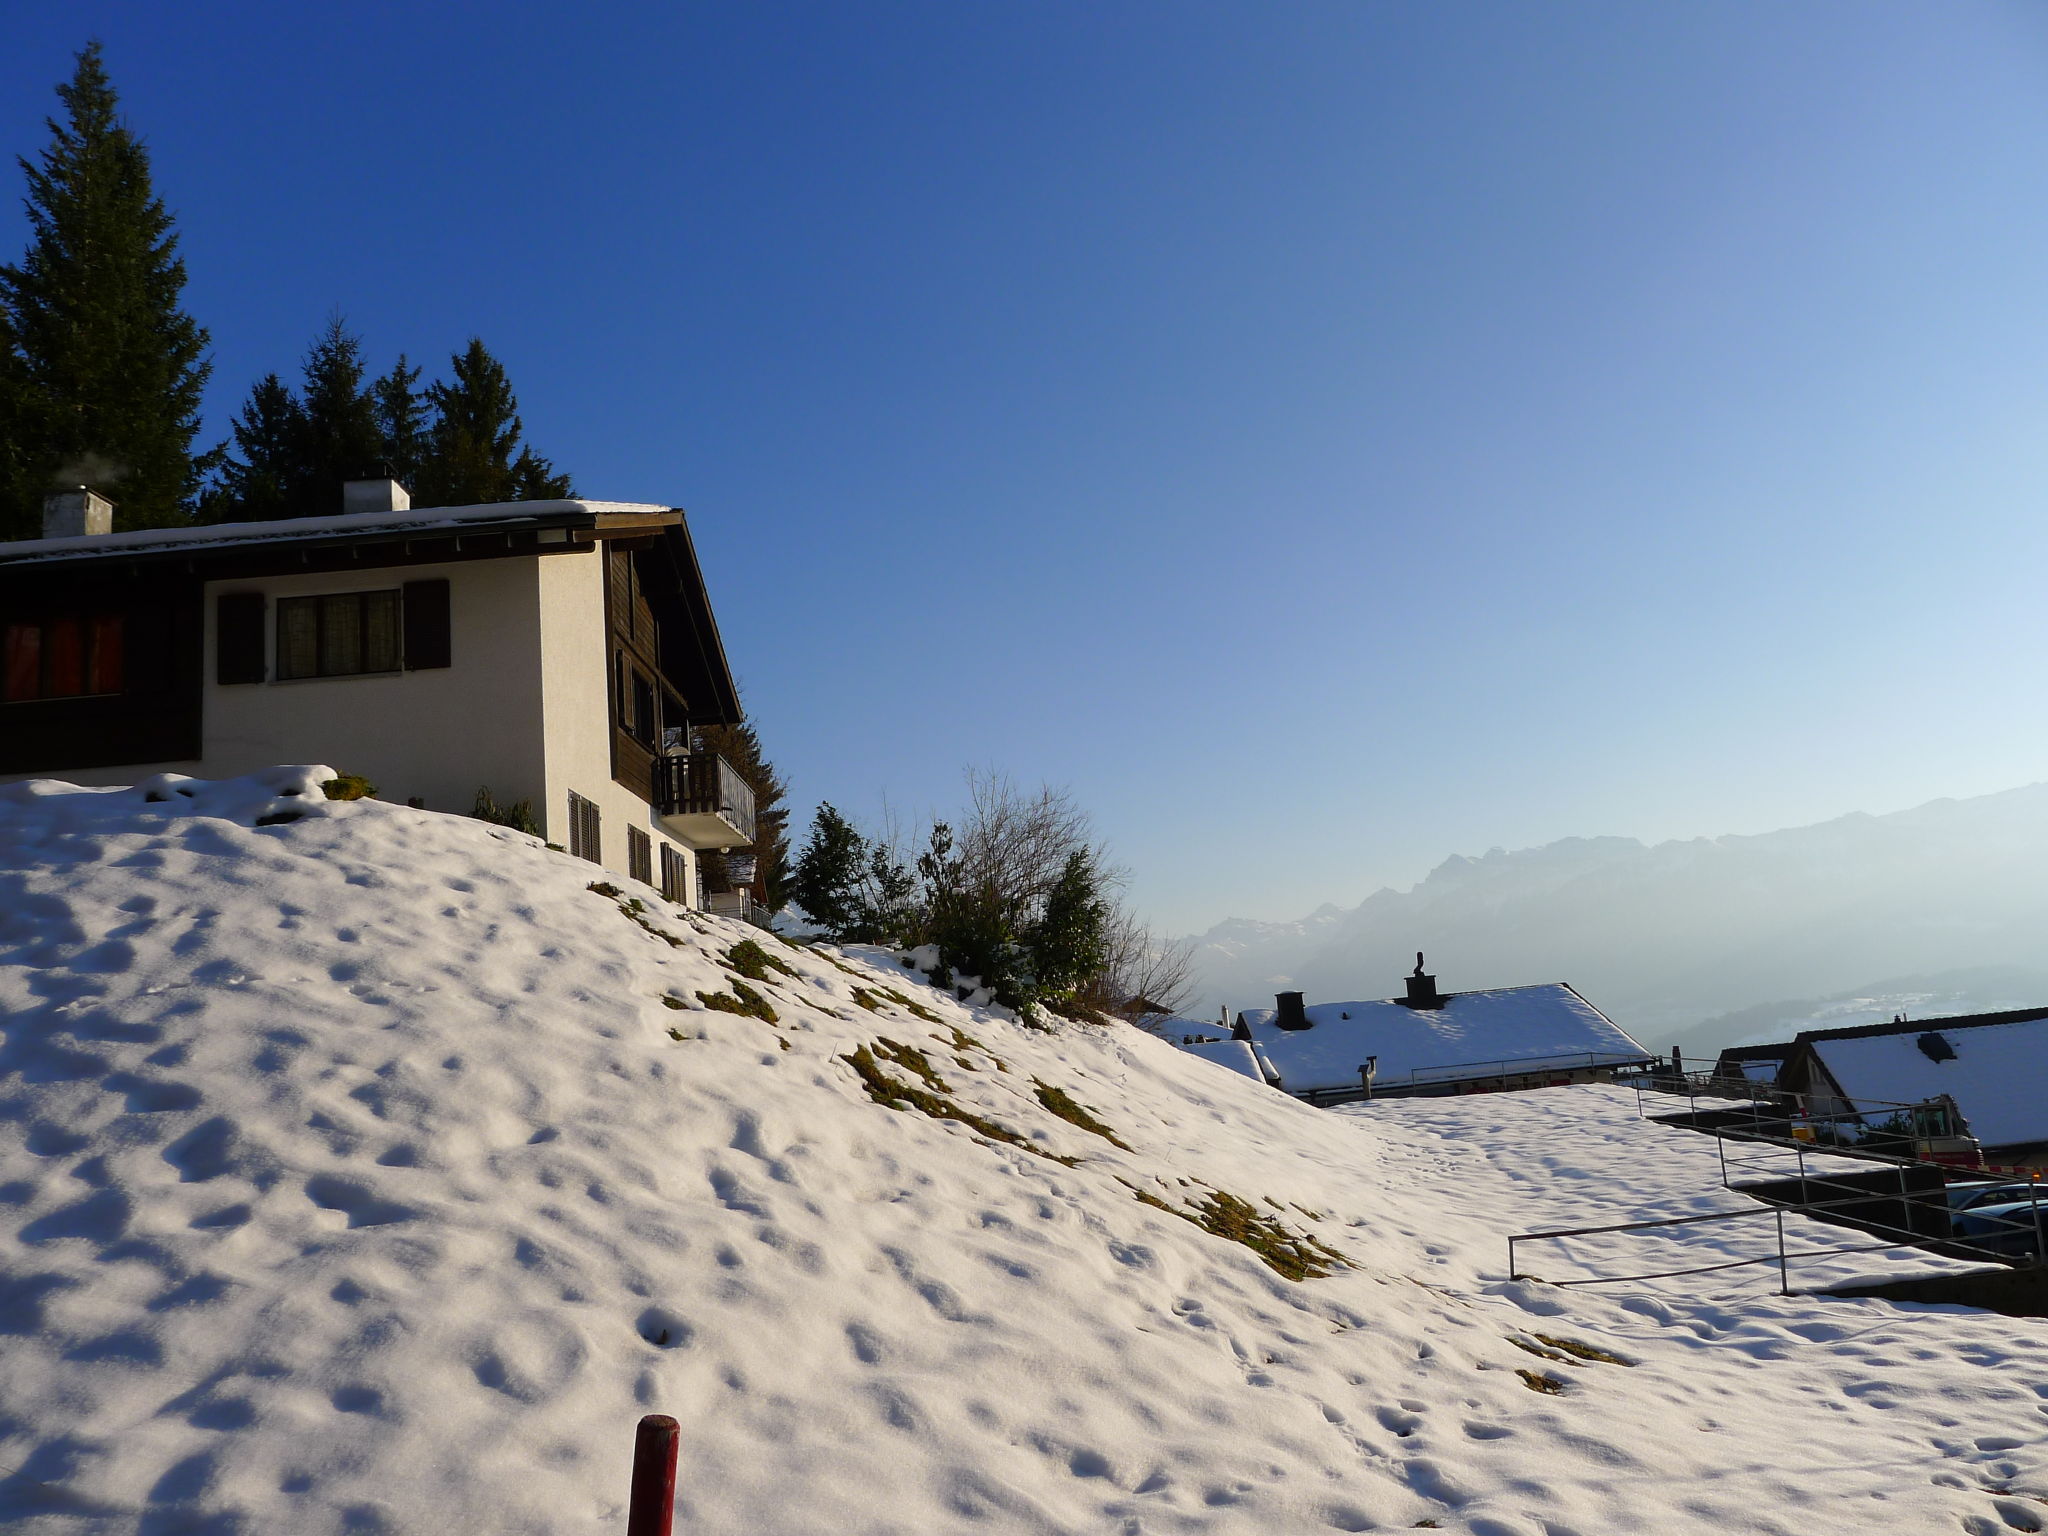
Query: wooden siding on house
{"x": 633, "y": 646}
{"x": 155, "y": 715}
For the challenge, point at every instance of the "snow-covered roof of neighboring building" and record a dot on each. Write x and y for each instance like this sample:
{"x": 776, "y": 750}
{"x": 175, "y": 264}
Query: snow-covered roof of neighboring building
{"x": 415, "y": 519}
{"x": 1234, "y": 1054}
{"x": 1475, "y": 1034}
{"x": 1998, "y": 1074}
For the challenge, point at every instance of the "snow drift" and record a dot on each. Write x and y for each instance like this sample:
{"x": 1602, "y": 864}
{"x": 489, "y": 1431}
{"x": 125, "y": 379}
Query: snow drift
{"x": 367, "y": 1170}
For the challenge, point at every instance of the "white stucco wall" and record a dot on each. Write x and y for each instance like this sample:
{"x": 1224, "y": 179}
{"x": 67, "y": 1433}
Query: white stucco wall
{"x": 436, "y": 735}
{"x": 575, "y": 680}
{"x": 523, "y": 707}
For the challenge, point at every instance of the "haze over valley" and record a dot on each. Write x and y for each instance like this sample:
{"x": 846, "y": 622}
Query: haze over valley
{"x": 1703, "y": 942}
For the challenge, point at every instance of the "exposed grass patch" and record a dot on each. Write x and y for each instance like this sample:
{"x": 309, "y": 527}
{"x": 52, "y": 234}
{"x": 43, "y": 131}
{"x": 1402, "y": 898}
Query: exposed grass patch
{"x": 867, "y": 1000}
{"x": 1583, "y": 1351}
{"x": 754, "y": 962}
{"x": 1540, "y": 1381}
{"x": 1539, "y": 1351}
{"x": 893, "y": 1093}
{"x": 743, "y": 1000}
{"x": 1293, "y": 1254}
{"x": 670, "y": 1000}
{"x": 910, "y": 1059}
{"x": 917, "y": 1009}
{"x": 633, "y": 909}
{"x": 347, "y": 786}
{"x": 1056, "y": 1100}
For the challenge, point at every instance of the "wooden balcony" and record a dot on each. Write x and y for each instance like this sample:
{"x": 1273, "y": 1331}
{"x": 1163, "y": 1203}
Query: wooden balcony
{"x": 703, "y": 802}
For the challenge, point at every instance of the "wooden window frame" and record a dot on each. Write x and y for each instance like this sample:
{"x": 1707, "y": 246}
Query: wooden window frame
{"x": 639, "y": 856}
{"x": 99, "y": 674}
{"x": 324, "y": 665}
{"x": 586, "y": 829}
{"x": 675, "y": 875}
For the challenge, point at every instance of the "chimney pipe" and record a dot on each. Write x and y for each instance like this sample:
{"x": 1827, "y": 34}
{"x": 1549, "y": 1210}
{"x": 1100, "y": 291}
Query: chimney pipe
{"x": 1422, "y": 992}
{"x": 1288, "y": 1012}
{"x": 75, "y": 512}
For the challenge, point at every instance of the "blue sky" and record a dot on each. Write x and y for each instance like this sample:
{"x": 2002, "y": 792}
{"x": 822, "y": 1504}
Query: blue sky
{"x": 1324, "y": 436}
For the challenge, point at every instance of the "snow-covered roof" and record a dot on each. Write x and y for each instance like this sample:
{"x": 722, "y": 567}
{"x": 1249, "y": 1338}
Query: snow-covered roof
{"x": 1998, "y": 1075}
{"x": 1475, "y": 1034}
{"x": 1237, "y": 1055}
{"x": 415, "y": 519}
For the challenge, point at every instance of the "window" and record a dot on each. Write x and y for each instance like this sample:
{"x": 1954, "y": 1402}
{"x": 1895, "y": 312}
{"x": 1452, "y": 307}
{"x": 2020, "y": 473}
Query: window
{"x": 69, "y": 656}
{"x": 639, "y": 856}
{"x": 339, "y": 634}
{"x": 675, "y": 875}
{"x": 642, "y": 717}
{"x": 584, "y": 837}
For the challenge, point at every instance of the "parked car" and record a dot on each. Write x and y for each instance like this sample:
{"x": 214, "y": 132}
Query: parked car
{"x": 2015, "y": 1227}
{"x": 1965, "y": 1197}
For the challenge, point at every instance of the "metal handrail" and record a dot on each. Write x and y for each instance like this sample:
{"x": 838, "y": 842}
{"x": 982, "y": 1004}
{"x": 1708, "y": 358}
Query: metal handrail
{"x": 1782, "y": 1257}
{"x": 1555, "y": 1060}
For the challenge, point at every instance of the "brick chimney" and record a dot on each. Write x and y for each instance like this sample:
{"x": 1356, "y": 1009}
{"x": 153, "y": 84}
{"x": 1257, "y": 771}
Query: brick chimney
{"x": 76, "y": 511}
{"x": 1288, "y": 1012}
{"x": 379, "y": 492}
{"x": 1422, "y": 992}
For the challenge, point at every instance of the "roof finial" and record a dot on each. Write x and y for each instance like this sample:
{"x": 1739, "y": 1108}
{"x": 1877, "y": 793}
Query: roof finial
{"x": 1418, "y": 962}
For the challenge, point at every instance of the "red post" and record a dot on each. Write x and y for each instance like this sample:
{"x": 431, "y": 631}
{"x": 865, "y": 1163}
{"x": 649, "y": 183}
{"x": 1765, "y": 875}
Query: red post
{"x": 651, "y": 1511}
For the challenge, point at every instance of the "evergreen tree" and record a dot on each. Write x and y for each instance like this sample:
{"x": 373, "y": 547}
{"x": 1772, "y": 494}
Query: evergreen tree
{"x": 16, "y": 477}
{"x": 740, "y": 746}
{"x": 826, "y": 879}
{"x": 261, "y": 479}
{"x": 108, "y": 366}
{"x": 339, "y": 438}
{"x": 1069, "y": 942}
{"x": 401, "y": 421}
{"x": 474, "y": 452}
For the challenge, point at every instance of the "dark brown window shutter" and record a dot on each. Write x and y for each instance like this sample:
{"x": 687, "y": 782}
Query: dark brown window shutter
{"x": 427, "y": 642}
{"x": 238, "y": 637}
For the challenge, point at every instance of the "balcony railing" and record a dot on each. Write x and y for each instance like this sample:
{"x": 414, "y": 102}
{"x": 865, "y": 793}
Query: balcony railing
{"x": 704, "y": 800}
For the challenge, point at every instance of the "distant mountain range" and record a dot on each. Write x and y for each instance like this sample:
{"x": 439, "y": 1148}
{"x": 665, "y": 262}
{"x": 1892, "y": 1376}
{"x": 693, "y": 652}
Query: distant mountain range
{"x": 1682, "y": 942}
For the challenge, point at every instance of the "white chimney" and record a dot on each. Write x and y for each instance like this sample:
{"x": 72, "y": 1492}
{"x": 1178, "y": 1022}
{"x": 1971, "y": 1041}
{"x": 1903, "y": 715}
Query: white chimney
{"x": 385, "y": 495}
{"x": 75, "y": 512}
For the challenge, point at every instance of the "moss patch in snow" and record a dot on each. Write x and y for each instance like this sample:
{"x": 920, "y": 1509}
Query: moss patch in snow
{"x": 754, "y": 962}
{"x": 1220, "y": 1213}
{"x": 1056, "y": 1100}
{"x": 1540, "y": 1381}
{"x": 896, "y": 1094}
{"x": 743, "y": 1000}
{"x": 1582, "y": 1351}
{"x": 347, "y": 786}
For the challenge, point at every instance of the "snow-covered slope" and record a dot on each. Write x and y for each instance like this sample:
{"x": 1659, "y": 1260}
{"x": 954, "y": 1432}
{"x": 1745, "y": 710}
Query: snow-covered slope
{"x": 360, "y": 1176}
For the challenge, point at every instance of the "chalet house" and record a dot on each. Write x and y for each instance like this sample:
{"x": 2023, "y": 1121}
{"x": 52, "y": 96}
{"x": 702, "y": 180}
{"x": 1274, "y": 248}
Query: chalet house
{"x": 1426, "y": 1043}
{"x": 556, "y": 652}
{"x": 1992, "y": 1066}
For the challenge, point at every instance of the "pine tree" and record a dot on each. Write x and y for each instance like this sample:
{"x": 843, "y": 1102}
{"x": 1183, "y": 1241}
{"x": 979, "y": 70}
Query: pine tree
{"x": 1069, "y": 941}
{"x": 474, "y": 453}
{"x": 260, "y": 480}
{"x": 16, "y": 477}
{"x": 339, "y": 436}
{"x": 826, "y": 878}
{"x": 110, "y": 368}
{"x": 401, "y": 421}
{"x": 741, "y": 746}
